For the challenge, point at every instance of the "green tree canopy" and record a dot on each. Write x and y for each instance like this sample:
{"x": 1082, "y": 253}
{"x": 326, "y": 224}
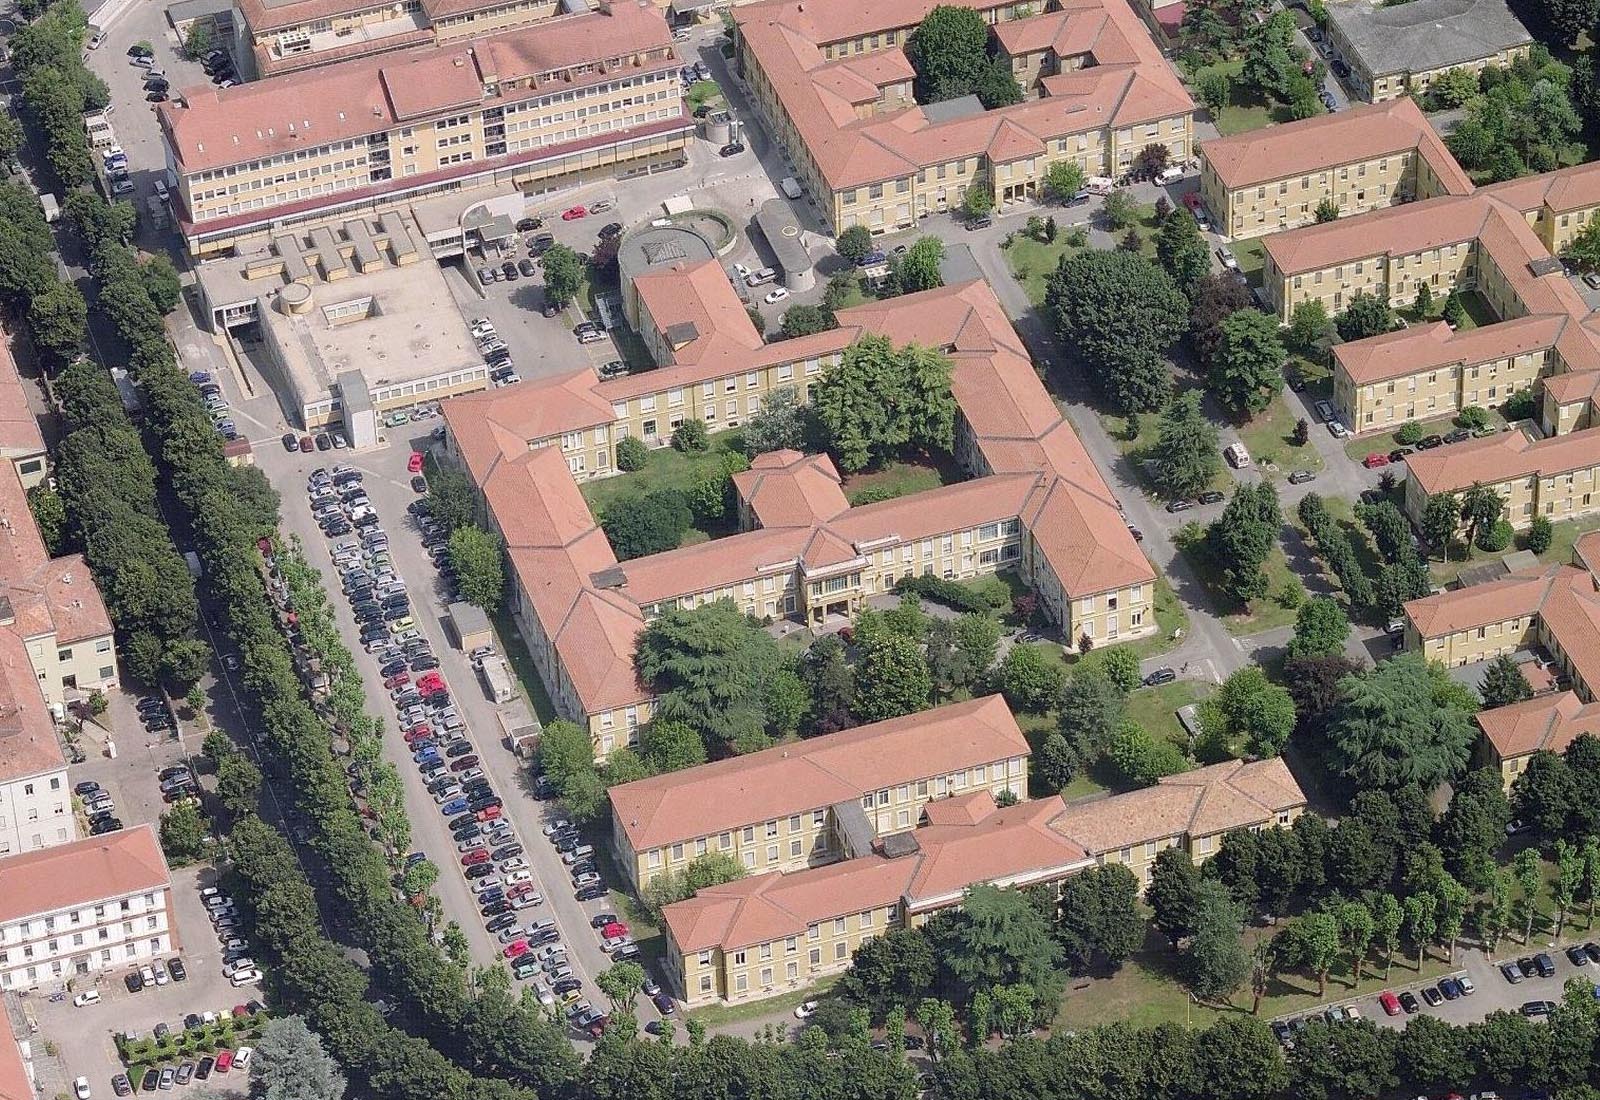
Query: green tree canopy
{"x": 880, "y": 400}
{"x": 563, "y": 275}
{"x": 1185, "y": 451}
{"x": 1320, "y": 629}
{"x": 1247, "y": 369}
{"x": 1123, "y": 314}
{"x": 1401, "y": 722}
{"x": 710, "y": 667}
{"x": 480, "y": 566}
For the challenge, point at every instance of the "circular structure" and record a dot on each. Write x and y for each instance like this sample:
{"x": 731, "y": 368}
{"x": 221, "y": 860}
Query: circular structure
{"x": 658, "y": 246}
{"x": 295, "y": 298}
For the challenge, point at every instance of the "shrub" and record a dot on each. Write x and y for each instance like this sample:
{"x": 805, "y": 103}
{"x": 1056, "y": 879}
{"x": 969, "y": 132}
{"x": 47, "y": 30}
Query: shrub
{"x": 952, "y": 594}
{"x": 1495, "y": 539}
{"x": 632, "y": 455}
{"x": 1408, "y": 434}
{"x": 1521, "y": 405}
{"x": 690, "y": 436}
{"x": 1472, "y": 417}
{"x": 1539, "y": 535}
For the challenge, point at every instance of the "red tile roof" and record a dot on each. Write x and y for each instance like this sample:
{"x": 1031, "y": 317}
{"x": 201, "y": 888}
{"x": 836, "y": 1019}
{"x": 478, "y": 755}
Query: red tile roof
{"x": 1549, "y": 723}
{"x": 98, "y": 868}
{"x": 816, "y": 773}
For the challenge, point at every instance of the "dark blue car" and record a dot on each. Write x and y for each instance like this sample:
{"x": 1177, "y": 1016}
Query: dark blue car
{"x": 453, "y": 807}
{"x": 427, "y": 756}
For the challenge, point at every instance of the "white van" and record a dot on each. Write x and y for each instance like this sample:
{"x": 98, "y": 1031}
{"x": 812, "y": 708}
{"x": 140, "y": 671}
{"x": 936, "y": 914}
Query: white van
{"x": 1099, "y": 185}
{"x": 1170, "y": 175}
{"x": 1237, "y": 456}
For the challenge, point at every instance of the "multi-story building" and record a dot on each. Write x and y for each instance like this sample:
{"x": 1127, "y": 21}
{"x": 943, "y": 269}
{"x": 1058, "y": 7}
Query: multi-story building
{"x": 1547, "y": 723}
{"x": 50, "y": 606}
{"x": 1399, "y": 49}
{"x": 1554, "y": 477}
{"x": 35, "y": 798}
{"x": 596, "y": 92}
{"x": 1191, "y": 810}
{"x": 835, "y": 85}
{"x": 84, "y": 907}
{"x": 1366, "y": 158}
{"x": 1035, "y": 504}
{"x": 768, "y": 934}
{"x": 819, "y": 800}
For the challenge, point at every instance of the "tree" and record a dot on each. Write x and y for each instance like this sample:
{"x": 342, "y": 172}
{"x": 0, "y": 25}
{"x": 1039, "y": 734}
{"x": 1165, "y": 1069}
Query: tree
{"x": 1472, "y": 827}
{"x": 238, "y": 783}
{"x": 184, "y": 661}
{"x": 1216, "y": 962}
{"x": 1481, "y": 509}
{"x": 1181, "y": 250}
{"x": 878, "y": 400}
{"x": 1185, "y": 452}
{"x": 1063, "y": 180}
{"x": 1321, "y": 629}
{"x": 1270, "y": 64}
{"x": 1530, "y": 880}
{"x": 1119, "y": 211}
{"x": 892, "y": 678}
{"x": 830, "y": 681}
{"x": 1440, "y": 520}
{"x": 1055, "y": 762}
{"x": 782, "y": 423}
{"x": 895, "y": 969}
{"x": 1504, "y": 683}
{"x": 197, "y": 43}
{"x": 854, "y": 244}
{"x": 1089, "y": 712}
{"x": 1142, "y": 759}
{"x": 11, "y": 137}
{"x": 1214, "y": 89}
{"x": 1584, "y": 250}
{"x": 1121, "y": 666}
{"x": 711, "y": 869}
{"x": 1098, "y": 924}
{"x": 1308, "y": 325}
{"x": 806, "y": 320}
{"x": 1399, "y": 724}
{"x": 1123, "y": 313}
{"x": 291, "y": 1063}
{"x": 160, "y": 281}
{"x": 918, "y": 269}
{"x": 668, "y": 746}
{"x": 1247, "y": 369}
{"x": 50, "y": 516}
{"x": 1541, "y": 532}
{"x": 1569, "y": 879}
{"x": 950, "y": 52}
{"x": 691, "y": 437}
{"x": 183, "y": 832}
{"x": 1257, "y": 709}
{"x": 648, "y": 524}
{"x": 996, "y": 937}
{"x": 621, "y": 983}
{"x": 632, "y": 454}
{"x": 1030, "y": 679}
{"x": 1312, "y": 941}
{"x": 1327, "y": 210}
{"x": 1214, "y": 298}
{"x": 1243, "y": 537}
{"x": 1131, "y": 242}
{"x": 480, "y": 566}
{"x": 1365, "y": 315}
{"x": 563, "y": 275}
{"x": 710, "y": 668}
{"x": 59, "y": 320}
{"x": 1453, "y": 312}
{"x": 1173, "y": 893}
{"x": 1545, "y": 795}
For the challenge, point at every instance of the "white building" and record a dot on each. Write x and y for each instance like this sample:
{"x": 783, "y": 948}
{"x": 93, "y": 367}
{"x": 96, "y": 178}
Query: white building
{"x": 35, "y": 797}
{"x": 78, "y": 908}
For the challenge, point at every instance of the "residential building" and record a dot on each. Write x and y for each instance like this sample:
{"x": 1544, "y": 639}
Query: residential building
{"x": 1554, "y": 477}
{"x": 1399, "y": 49}
{"x": 765, "y": 935}
{"x": 832, "y": 79}
{"x": 35, "y": 798}
{"x": 768, "y": 934}
{"x": 1191, "y": 810}
{"x": 1035, "y": 502}
{"x": 83, "y": 907}
{"x": 1545, "y": 723}
{"x": 820, "y": 800}
{"x": 596, "y": 92}
{"x": 1363, "y": 159}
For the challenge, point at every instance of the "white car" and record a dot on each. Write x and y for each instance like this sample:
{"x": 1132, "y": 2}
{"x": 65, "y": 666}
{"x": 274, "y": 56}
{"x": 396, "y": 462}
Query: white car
{"x": 551, "y": 828}
{"x": 741, "y": 270}
{"x": 241, "y": 1057}
{"x": 80, "y": 1088}
{"x": 804, "y": 1009}
{"x": 777, "y": 294}
{"x": 487, "y": 882}
{"x": 122, "y": 187}
{"x": 516, "y": 877}
{"x": 233, "y": 968}
{"x": 86, "y": 998}
{"x": 1337, "y": 429}
{"x": 515, "y": 863}
{"x": 245, "y": 977}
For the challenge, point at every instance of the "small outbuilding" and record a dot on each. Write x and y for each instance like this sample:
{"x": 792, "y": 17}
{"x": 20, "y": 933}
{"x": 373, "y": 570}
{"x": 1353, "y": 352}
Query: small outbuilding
{"x": 471, "y": 626}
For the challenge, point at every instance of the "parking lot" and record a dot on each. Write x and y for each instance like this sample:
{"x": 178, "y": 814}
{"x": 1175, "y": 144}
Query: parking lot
{"x": 83, "y": 1036}
{"x": 1491, "y": 993}
{"x": 386, "y": 481}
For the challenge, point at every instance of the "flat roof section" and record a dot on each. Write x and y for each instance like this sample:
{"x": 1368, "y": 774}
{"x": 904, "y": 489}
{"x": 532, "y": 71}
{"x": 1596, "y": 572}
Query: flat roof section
{"x": 782, "y": 230}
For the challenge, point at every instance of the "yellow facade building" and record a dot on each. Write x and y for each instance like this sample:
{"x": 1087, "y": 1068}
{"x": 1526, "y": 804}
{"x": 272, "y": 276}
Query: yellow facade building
{"x": 834, "y": 84}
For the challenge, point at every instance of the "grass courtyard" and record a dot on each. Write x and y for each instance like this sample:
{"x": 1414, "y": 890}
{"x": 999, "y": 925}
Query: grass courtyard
{"x": 1246, "y": 109}
{"x": 1269, "y": 437}
{"x": 1033, "y": 261}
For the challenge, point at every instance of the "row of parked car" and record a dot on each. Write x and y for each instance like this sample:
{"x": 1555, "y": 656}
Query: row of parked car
{"x": 194, "y": 1069}
{"x": 237, "y": 965}
{"x": 494, "y": 351}
{"x": 211, "y": 393}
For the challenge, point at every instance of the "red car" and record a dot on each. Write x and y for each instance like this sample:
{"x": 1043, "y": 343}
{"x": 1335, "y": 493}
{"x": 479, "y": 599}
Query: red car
{"x": 306, "y": 447}
{"x": 1390, "y": 1003}
{"x": 474, "y": 857}
{"x": 489, "y": 813}
{"x": 414, "y": 463}
{"x": 421, "y": 729}
{"x": 574, "y": 214}
{"x": 430, "y": 679}
{"x": 413, "y": 735}
{"x": 516, "y": 949}
{"x": 397, "y": 679}
{"x": 430, "y": 689}
{"x": 615, "y": 928}
{"x": 1374, "y": 460}
{"x": 224, "y": 1061}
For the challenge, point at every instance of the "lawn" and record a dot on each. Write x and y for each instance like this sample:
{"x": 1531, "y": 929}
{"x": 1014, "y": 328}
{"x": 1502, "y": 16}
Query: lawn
{"x": 1246, "y": 108}
{"x": 516, "y": 650}
{"x": 1269, "y": 437}
{"x": 1136, "y": 444}
{"x": 1146, "y": 991}
{"x": 1252, "y": 257}
{"x": 898, "y": 479}
{"x": 1266, "y": 613}
{"x": 668, "y": 468}
{"x": 721, "y": 1015}
{"x": 704, "y": 93}
{"x": 1155, "y": 708}
{"x": 1033, "y": 261}
{"x": 1384, "y": 442}
{"x": 1563, "y": 536}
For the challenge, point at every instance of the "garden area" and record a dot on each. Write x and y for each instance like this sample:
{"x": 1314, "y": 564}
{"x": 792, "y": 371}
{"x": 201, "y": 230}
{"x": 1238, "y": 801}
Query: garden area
{"x": 1244, "y": 107}
{"x": 1034, "y": 256}
{"x": 1562, "y": 537}
{"x": 1277, "y": 608}
{"x": 151, "y": 1054}
{"x": 901, "y": 477}
{"x": 1271, "y": 438}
